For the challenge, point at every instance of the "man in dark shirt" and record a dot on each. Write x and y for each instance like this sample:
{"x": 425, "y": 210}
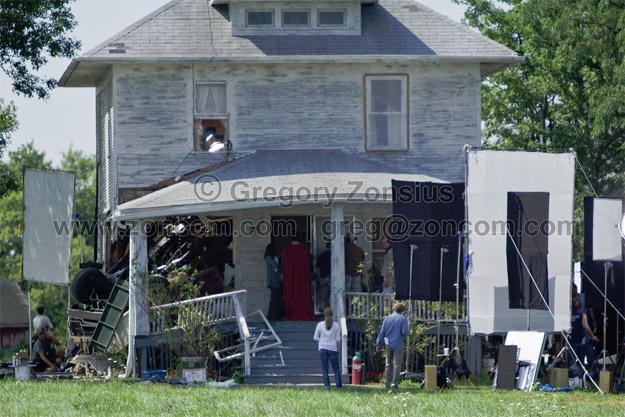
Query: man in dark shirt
{"x": 323, "y": 269}
{"x": 581, "y": 333}
{"x": 43, "y": 352}
{"x": 354, "y": 258}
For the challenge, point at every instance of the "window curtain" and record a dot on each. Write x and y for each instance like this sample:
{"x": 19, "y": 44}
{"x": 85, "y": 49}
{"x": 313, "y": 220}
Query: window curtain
{"x": 211, "y": 99}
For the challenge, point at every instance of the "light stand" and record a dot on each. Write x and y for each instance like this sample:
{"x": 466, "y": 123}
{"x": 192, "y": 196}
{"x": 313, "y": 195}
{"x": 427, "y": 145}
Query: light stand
{"x": 444, "y": 250}
{"x": 413, "y": 247}
{"x": 458, "y": 289}
{"x": 607, "y": 269}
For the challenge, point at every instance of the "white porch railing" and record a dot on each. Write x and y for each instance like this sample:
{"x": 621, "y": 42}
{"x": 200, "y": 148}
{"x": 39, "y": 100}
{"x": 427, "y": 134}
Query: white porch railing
{"x": 265, "y": 340}
{"x": 362, "y": 305}
{"x": 213, "y": 309}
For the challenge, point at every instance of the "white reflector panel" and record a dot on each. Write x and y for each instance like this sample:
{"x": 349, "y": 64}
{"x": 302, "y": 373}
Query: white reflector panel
{"x": 48, "y": 205}
{"x": 606, "y": 237}
{"x": 491, "y": 175}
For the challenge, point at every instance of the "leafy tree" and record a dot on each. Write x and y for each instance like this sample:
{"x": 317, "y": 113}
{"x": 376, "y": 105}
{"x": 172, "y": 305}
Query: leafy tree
{"x": 8, "y": 123}
{"x": 31, "y": 32}
{"x": 569, "y": 91}
{"x": 85, "y": 167}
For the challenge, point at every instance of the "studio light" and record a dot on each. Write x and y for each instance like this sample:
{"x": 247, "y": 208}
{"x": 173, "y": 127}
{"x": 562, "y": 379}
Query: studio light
{"x": 216, "y": 147}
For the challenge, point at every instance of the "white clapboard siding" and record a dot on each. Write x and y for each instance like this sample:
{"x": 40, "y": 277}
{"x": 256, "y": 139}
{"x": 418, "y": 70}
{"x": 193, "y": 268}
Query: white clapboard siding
{"x": 290, "y": 106}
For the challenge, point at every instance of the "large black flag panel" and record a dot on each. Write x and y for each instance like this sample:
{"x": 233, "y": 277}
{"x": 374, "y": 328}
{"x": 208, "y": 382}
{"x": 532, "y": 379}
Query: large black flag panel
{"x": 427, "y": 216}
{"x": 528, "y": 216}
{"x": 595, "y": 268}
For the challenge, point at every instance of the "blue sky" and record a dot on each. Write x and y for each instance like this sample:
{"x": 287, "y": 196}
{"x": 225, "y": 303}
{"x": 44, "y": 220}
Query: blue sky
{"x": 68, "y": 116}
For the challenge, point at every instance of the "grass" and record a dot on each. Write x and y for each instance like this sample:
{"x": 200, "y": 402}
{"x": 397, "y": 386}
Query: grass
{"x": 86, "y": 398}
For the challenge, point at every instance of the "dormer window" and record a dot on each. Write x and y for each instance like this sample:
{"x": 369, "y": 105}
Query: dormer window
{"x": 259, "y": 18}
{"x": 331, "y": 18}
{"x": 295, "y": 18}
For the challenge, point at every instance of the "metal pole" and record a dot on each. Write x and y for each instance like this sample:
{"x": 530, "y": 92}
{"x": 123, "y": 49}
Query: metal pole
{"x": 444, "y": 250}
{"x": 606, "y": 268}
{"x": 412, "y": 249}
{"x": 30, "y": 324}
{"x": 458, "y": 289}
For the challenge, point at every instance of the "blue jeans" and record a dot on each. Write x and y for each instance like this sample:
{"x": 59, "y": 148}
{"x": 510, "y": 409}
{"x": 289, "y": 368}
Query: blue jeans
{"x": 333, "y": 358}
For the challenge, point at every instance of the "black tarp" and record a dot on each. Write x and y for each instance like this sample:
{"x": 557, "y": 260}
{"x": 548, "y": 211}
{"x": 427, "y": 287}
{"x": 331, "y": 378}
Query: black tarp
{"x": 428, "y": 215}
{"x": 528, "y": 216}
{"x": 595, "y": 269}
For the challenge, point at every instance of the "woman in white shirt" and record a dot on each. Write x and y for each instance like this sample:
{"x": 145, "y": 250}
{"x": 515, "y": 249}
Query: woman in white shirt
{"x": 328, "y": 334}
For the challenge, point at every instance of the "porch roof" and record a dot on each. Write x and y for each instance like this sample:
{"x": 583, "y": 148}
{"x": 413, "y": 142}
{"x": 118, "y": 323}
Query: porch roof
{"x": 273, "y": 179}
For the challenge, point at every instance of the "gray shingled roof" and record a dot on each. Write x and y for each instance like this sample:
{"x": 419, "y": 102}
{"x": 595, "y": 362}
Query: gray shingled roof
{"x": 297, "y": 176}
{"x": 13, "y": 305}
{"x": 188, "y": 28}
{"x": 194, "y": 30}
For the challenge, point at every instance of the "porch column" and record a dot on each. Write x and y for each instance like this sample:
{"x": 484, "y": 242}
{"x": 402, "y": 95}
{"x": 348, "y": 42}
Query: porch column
{"x": 338, "y": 261}
{"x": 138, "y": 304}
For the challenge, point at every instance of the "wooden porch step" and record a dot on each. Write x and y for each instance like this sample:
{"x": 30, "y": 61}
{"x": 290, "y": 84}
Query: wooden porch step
{"x": 280, "y": 379}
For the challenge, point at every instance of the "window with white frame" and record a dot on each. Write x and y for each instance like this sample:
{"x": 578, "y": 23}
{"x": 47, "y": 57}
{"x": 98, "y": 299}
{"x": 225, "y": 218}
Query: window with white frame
{"x": 210, "y": 121}
{"x": 386, "y": 112}
{"x": 259, "y": 18}
{"x": 331, "y": 17}
{"x": 295, "y": 18}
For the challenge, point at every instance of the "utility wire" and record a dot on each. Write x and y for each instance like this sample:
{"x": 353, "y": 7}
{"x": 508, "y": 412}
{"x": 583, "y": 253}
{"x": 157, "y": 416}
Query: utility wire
{"x": 586, "y": 176}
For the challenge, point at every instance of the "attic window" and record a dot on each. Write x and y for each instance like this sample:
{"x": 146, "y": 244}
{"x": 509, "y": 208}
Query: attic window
{"x": 331, "y": 18}
{"x": 259, "y": 18}
{"x": 295, "y": 18}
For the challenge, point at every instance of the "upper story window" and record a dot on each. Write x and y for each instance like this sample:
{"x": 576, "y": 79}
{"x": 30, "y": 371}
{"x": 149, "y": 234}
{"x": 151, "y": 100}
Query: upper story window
{"x": 331, "y": 17}
{"x": 295, "y": 18}
{"x": 262, "y": 18}
{"x": 210, "y": 99}
{"x": 210, "y": 121}
{"x": 386, "y": 112}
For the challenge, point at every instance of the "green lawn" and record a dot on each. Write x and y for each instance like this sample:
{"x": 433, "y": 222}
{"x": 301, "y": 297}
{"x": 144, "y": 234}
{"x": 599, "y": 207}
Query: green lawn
{"x": 87, "y": 399}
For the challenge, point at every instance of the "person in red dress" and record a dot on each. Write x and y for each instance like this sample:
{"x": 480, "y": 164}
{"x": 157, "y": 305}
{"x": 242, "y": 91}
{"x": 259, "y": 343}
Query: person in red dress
{"x": 296, "y": 280}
